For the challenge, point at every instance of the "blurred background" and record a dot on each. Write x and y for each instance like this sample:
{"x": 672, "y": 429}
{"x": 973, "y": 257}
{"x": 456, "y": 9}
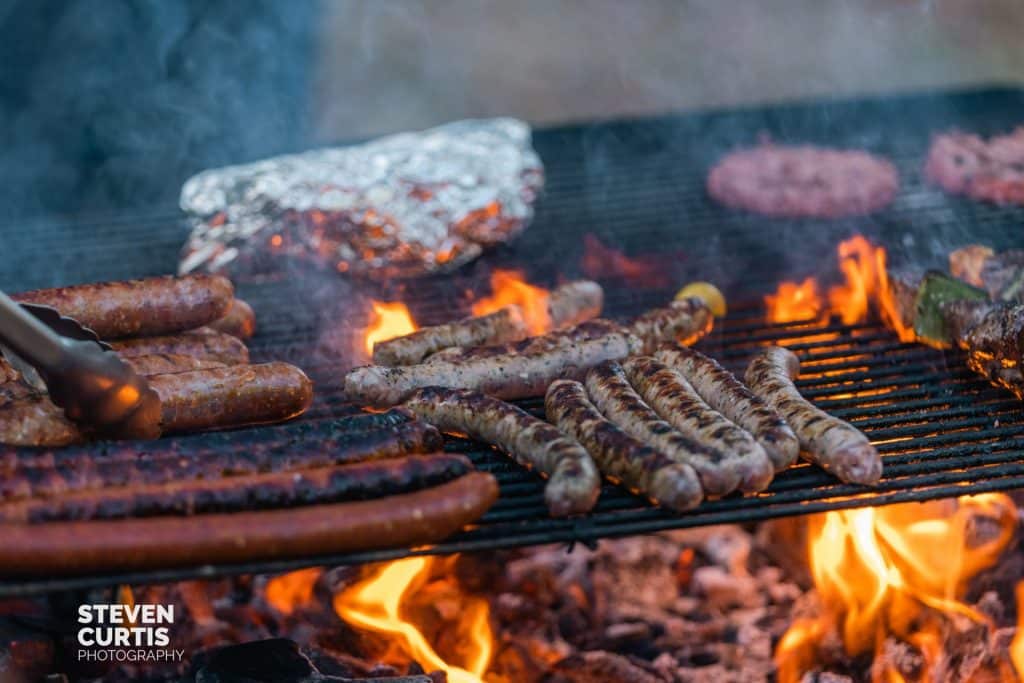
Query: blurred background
{"x": 110, "y": 104}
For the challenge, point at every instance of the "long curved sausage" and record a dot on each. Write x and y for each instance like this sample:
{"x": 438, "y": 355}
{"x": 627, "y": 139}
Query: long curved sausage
{"x": 231, "y": 396}
{"x": 526, "y": 371}
{"x": 683, "y": 322}
{"x": 169, "y": 364}
{"x": 573, "y": 482}
{"x": 613, "y": 395}
{"x": 726, "y": 394}
{"x": 619, "y": 456}
{"x": 574, "y": 302}
{"x": 51, "y": 477}
{"x": 672, "y": 397}
{"x": 834, "y": 445}
{"x": 134, "y": 308}
{"x": 239, "y": 321}
{"x": 504, "y": 325}
{"x": 335, "y": 484}
{"x": 411, "y": 519}
{"x": 203, "y": 343}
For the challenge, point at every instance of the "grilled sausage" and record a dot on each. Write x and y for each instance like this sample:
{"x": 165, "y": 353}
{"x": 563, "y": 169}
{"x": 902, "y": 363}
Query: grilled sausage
{"x": 203, "y": 343}
{"x": 503, "y": 325}
{"x": 684, "y": 322}
{"x": 619, "y": 456}
{"x": 56, "y": 473}
{"x": 169, "y": 364}
{"x": 231, "y": 396}
{"x": 239, "y": 321}
{"x": 574, "y": 302}
{"x": 334, "y": 484}
{"x": 409, "y": 519}
{"x": 526, "y": 371}
{"x": 726, "y": 394}
{"x": 834, "y": 445}
{"x": 573, "y": 480}
{"x": 672, "y": 397}
{"x": 611, "y": 392}
{"x": 33, "y": 420}
{"x": 135, "y": 308}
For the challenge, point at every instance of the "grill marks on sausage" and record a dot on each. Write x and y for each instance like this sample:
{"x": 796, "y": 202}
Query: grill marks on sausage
{"x": 637, "y": 466}
{"x": 612, "y": 393}
{"x": 203, "y": 343}
{"x": 501, "y": 326}
{"x": 682, "y": 322}
{"x": 834, "y": 445}
{"x": 408, "y": 519}
{"x": 573, "y": 480}
{"x": 574, "y": 302}
{"x": 508, "y": 374}
{"x": 147, "y": 307}
{"x": 245, "y": 492}
{"x": 733, "y": 399}
{"x": 673, "y": 399}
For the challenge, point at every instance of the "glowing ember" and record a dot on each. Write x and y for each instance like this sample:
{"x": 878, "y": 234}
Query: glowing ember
{"x": 794, "y": 302}
{"x": 388, "y": 320}
{"x": 866, "y": 286}
{"x": 894, "y": 571}
{"x": 510, "y": 287}
{"x": 376, "y": 604}
{"x": 1017, "y": 646}
{"x": 288, "y": 591}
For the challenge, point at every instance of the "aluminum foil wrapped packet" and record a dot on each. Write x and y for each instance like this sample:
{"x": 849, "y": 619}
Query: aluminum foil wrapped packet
{"x": 400, "y": 206}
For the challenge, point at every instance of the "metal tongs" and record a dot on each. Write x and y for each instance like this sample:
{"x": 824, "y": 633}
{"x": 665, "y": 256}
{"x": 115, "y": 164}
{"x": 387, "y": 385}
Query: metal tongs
{"x": 82, "y": 375}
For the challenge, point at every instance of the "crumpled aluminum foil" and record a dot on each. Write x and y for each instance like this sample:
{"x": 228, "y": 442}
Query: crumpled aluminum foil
{"x": 399, "y": 206}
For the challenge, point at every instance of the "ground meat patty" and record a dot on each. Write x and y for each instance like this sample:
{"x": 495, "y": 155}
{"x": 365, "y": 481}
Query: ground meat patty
{"x": 803, "y": 181}
{"x": 573, "y": 480}
{"x": 990, "y": 170}
{"x": 619, "y": 456}
{"x": 149, "y": 307}
{"x": 834, "y": 445}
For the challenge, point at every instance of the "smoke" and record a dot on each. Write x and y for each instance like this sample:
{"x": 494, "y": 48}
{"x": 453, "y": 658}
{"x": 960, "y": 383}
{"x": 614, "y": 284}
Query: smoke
{"x": 111, "y": 105}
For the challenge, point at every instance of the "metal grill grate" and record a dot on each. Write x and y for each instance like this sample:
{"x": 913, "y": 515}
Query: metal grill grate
{"x": 639, "y": 186}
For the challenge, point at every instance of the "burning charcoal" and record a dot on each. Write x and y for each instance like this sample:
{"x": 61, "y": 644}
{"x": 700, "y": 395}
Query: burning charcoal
{"x": 276, "y": 660}
{"x": 725, "y": 590}
{"x": 825, "y": 677}
{"x": 604, "y": 666}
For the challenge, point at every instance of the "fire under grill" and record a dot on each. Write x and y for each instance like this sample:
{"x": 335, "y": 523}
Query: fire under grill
{"x": 639, "y": 187}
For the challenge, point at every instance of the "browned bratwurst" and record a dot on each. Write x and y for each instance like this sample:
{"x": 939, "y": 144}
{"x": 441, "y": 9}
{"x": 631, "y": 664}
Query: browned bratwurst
{"x": 231, "y": 396}
{"x": 574, "y": 302}
{"x": 137, "y": 308}
{"x": 503, "y": 325}
{"x": 834, "y": 445}
{"x": 726, "y": 394}
{"x": 684, "y": 322}
{"x": 204, "y": 343}
{"x": 611, "y": 392}
{"x": 239, "y": 321}
{"x": 333, "y": 484}
{"x": 60, "y": 472}
{"x": 169, "y": 364}
{"x": 619, "y": 456}
{"x": 672, "y": 397}
{"x": 33, "y": 420}
{"x": 410, "y": 519}
{"x": 524, "y": 370}
{"x": 573, "y": 480}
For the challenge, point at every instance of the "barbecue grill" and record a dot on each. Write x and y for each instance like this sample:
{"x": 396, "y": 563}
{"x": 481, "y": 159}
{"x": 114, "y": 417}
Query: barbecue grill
{"x": 639, "y": 185}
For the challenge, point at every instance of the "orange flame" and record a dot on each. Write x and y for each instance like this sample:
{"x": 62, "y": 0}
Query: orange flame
{"x": 288, "y": 591}
{"x": 388, "y": 320}
{"x": 510, "y": 287}
{"x": 376, "y": 604}
{"x": 893, "y": 571}
{"x": 866, "y": 285}
{"x": 1017, "y": 646}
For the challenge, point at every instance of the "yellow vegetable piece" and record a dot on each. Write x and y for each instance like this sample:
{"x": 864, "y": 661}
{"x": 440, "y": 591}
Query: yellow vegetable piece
{"x": 706, "y": 292}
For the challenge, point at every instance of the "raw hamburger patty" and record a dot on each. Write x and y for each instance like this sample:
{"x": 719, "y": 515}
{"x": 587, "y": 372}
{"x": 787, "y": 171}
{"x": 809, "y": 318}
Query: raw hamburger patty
{"x": 991, "y": 170}
{"x": 803, "y": 181}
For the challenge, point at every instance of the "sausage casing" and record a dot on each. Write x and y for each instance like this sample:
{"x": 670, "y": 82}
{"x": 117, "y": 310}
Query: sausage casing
{"x": 504, "y": 325}
{"x": 203, "y": 343}
{"x": 574, "y": 302}
{"x": 726, "y": 394}
{"x": 683, "y": 322}
{"x": 135, "y": 308}
{"x": 672, "y": 397}
{"x": 239, "y": 321}
{"x": 573, "y": 480}
{"x": 619, "y": 456}
{"x": 613, "y": 395}
{"x": 834, "y": 445}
